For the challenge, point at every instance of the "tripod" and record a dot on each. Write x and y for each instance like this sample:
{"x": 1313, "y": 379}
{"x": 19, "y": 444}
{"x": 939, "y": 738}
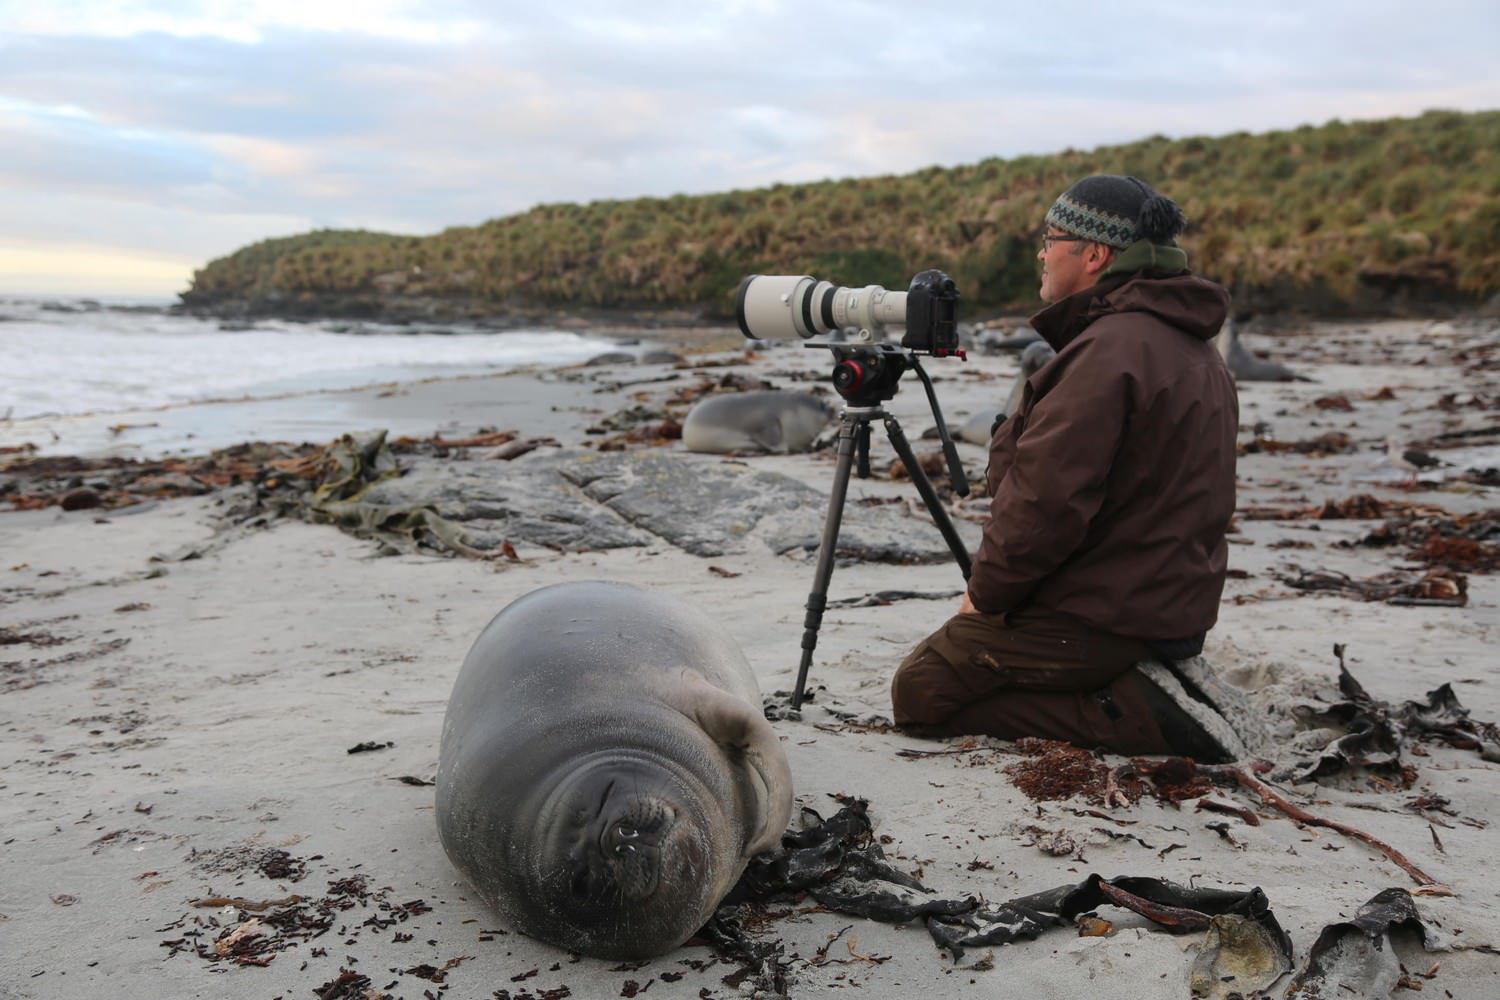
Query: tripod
{"x": 854, "y": 436}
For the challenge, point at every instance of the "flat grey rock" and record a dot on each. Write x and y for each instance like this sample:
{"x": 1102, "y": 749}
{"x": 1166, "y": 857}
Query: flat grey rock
{"x": 710, "y": 507}
{"x": 577, "y": 499}
{"x": 498, "y": 501}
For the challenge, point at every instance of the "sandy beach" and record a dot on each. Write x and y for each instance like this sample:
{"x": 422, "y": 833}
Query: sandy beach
{"x": 209, "y": 721}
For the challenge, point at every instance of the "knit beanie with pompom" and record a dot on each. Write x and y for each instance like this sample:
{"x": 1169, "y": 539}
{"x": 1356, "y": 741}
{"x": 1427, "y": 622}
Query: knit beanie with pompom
{"x": 1116, "y": 211}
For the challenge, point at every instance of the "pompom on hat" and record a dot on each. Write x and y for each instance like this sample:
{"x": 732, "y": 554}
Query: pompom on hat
{"x": 1116, "y": 211}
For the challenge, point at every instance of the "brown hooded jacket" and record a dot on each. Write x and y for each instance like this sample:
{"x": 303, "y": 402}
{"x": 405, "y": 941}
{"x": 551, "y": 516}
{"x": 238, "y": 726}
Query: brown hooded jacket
{"x": 1113, "y": 483}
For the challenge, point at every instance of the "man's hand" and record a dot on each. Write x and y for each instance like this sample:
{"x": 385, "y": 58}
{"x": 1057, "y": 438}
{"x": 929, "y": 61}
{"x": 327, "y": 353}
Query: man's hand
{"x": 967, "y": 607}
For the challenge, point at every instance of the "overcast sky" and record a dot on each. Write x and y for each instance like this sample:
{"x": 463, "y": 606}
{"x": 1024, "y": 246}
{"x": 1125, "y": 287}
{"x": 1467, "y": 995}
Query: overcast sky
{"x": 139, "y": 140}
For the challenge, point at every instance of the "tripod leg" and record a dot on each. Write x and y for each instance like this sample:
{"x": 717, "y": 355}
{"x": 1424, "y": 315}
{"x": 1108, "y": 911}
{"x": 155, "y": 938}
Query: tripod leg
{"x": 817, "y": 600}
{"x": 924, "y": 486}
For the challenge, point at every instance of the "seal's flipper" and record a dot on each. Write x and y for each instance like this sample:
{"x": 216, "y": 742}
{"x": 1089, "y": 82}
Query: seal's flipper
{"x": 767, "y": 434}
{"x": 750, "y": 743}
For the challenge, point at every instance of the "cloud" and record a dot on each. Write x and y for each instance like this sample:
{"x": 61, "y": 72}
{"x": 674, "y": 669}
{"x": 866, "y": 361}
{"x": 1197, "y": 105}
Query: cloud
{"x": 264, "y": 157}
{"x": 245, "y": 21}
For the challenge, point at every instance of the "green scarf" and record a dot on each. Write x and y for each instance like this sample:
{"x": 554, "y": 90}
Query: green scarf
{"x": 1143, "y": 255}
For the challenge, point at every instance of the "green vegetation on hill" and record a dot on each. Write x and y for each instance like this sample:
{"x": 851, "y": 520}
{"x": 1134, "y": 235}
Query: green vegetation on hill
{"x": 1343, "y": 216}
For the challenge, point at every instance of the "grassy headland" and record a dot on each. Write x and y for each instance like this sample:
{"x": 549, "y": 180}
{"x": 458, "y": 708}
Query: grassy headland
{"x": 1344, "y": 218}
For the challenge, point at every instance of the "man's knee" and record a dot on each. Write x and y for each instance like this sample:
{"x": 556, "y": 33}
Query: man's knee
{"x": 924, "y": 689}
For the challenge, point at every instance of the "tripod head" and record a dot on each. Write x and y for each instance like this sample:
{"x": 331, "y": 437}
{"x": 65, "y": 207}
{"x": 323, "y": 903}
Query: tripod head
{"x": 866, "y": 375}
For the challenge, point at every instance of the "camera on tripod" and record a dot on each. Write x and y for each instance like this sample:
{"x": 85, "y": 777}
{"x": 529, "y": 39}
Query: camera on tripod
{"x": 866, "y": 374}
{"x": 775, "y": 306}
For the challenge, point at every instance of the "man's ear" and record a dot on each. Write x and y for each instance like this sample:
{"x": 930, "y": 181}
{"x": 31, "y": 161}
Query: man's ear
{"x": 1097, "y": 257}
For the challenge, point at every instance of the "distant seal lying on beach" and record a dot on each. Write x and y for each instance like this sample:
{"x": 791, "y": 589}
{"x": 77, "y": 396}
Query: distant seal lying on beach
{"x": 757, "y": 420}
{"x": 1246, "y": 367}
{"x": 980, "y": 427}
{"x": 606, "y": 769}
{"x": 996, "y": 341}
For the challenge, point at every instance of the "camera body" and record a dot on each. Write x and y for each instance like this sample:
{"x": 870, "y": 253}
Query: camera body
{"x": 775, "y": 306}
{"x": 931, "y": 314}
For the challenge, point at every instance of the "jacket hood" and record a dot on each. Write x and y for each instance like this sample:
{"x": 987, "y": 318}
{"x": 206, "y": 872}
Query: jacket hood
{"x": 1143, "y": 255}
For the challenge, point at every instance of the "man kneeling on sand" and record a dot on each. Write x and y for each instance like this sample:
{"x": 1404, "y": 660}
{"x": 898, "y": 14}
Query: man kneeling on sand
{"x": 1112, "y": 487}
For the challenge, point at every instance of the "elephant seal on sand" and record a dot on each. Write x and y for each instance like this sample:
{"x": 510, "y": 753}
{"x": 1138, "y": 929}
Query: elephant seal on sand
{"x": 980, "y": 427}
{"x": 606, "y": 770}
{"x": 1246, "y": 367}
{"x": 756, "y": 420}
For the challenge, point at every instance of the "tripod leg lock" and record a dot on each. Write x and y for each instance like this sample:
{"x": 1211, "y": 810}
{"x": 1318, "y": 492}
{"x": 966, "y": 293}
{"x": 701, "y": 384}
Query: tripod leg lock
{"x": 816, "y": 604}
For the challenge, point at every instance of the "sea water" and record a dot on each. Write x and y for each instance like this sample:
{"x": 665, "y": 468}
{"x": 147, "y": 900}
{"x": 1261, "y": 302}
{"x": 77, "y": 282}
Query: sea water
{"x": 63, "y": 357}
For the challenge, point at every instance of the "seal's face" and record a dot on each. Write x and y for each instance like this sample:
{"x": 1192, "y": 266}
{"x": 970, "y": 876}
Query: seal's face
{"x": 624, "y": 837}
{"x": 619, "y": 851}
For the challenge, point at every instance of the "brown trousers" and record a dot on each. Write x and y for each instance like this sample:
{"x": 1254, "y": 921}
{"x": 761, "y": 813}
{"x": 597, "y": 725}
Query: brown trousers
{"x": 1029, "y": 673}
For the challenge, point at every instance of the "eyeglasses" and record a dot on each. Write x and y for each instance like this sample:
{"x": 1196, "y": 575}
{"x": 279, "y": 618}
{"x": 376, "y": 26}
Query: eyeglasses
{"x": 1048, "y": 239}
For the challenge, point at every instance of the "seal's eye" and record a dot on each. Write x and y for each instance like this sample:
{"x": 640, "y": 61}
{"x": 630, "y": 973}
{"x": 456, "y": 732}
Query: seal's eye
{"x": 627, "y": 832}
